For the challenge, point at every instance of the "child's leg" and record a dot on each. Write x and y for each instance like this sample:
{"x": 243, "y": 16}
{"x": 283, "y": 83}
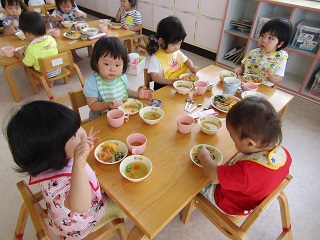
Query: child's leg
{"x": 76, "y": 56}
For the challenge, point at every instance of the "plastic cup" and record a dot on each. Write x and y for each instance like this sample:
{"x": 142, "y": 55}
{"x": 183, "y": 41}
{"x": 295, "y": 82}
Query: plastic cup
{"x": 231, "y": 85}
{"x": 8, "y": 51}
{"x": 249, "y": 86}
{"x": 55, "y": 32}
{"x": 103, "y": 28}
{"x": 185, "y": 123}
{"x": 134, "y": 58}
{"x": 200, "y": 87}
{"x": 136, "y": 143}
{"x": 116, "y": 117}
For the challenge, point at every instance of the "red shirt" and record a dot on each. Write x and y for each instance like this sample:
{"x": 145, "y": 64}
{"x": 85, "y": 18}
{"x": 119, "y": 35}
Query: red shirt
{"x": 244, "y": 184}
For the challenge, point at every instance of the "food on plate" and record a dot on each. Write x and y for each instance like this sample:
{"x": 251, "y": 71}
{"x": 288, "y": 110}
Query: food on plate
{"x": 73, "y": 34}
{"x": 198, "y": 148}
{"x": 22, "y": 49}
{"x": 136, "y": 170}
{"x": 134, "y": 105}
{"x": 109, "y": 151}
{"x": 151, "y": 116}
{"x": 224, "y": 102}
{"x": 253, "y": 78}
{"x": 190, "y": 77}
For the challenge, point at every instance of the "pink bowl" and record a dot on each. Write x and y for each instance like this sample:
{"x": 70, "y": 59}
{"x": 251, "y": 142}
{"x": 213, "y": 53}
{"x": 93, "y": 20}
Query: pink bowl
{"x": 8, "y": 51}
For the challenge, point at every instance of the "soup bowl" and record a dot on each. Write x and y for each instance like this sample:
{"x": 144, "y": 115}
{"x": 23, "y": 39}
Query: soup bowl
{"x": 226, "y": 73}
{"x": 183, "y": 86}
{"x": 67, "y": 24}
{"x": 21, "y": 35}
{"x": 209, "y": 124}
{"x": 90, "y": 31}
{"x": 135, "y": 168}
{"x": 151, "y": 115}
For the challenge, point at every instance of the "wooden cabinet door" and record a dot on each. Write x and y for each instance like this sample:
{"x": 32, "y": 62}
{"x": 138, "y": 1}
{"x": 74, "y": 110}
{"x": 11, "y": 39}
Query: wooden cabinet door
{"x": 147, "y": 12}
{"x": 102, "y": 6}
{"x": 213, "y": 8}
{"x": 189, "y": 24}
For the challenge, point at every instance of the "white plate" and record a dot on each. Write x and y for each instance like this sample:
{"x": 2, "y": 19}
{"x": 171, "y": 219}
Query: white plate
{"x": 218, "y": 107}
{"x": 186, "y": 76}
{"x": 70, "y": 37}
{"x": 122, "y": 148}
{"x": 131, "y": 106}
{"x": 247, "y": 94}
{"x": 215, "y": 152}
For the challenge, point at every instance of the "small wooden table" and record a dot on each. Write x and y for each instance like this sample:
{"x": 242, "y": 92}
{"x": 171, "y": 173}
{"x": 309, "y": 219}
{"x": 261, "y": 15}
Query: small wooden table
{"x": 175, "y": 179}
{"x": 64, "y": 44}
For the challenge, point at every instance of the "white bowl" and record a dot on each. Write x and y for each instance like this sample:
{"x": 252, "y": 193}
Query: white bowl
{"x": 132, "y": 160}
{"x": 256, "y": 79}
{"x": 209, "y": 124}
{"x": 226, "y": 73}
{"x": 218, "y": 158}
{"x": 115, "y": 25}
{"x": 122, "y": 148}
{"x": 90, "y": 31}
{"x": 105, "y": 21}
{"x": 67, "y": 24}
{"x": 248, "y": 94}
{"x": 189, "y": 77}
{"x": 148, "y": 112}
{"x": 183, "y": 86}
{"x": 21, "y": 35}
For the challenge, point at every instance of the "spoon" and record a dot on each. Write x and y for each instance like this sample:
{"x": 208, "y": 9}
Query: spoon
{"x": 187, "y": 103}
{"x": 206, "y": 108}
{"x": 190, "y": 104}
{"x": 198, "y": 105}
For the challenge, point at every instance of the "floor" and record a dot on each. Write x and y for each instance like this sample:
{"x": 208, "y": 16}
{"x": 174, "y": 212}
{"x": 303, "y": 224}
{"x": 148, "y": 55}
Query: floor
{"x": 301, "y": 130}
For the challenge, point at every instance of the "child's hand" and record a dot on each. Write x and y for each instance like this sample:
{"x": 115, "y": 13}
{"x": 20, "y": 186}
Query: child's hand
{"x": 143, "y": 93}
{"x": 14, "y": 24}
{"x": 125, "y": 27}
{"x": 19, "y": 54}
{"x": 91, "y": 135}
{"x": 203, "y": 154}
{"x": 268, "y": 75}
{"x": 113, "y": 104}
{"x": 59, "y": 18}
{"x": 238, "y": 71}
{"x": 194, "y": 69}
{"x": 78, "y": 14}
{"x": 121, "y": 9}
{"x": 81, "y": 152}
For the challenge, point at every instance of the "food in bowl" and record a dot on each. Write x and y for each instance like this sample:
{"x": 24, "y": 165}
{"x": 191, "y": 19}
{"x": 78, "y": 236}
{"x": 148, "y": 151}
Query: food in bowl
{"x": 67, "y": 24}
{"x": 111, "y": 151}
{"x": 136, "y": 168}
{"x": 214, "y": 153}
{"x": 257, "y": 79}
{"x": 115, "y": 25}
{"x": 183, "y": 86}
{"x": 209, "y": 124}
{"x": 248, "y": 94}
{"x": 224, "y": 102}
{"x": 155, "y": 103}
{"x": 225, "y": 73}
{"x": 189, "y": 77}
{"x": 90, "y": 31}
{"x": 21, "y": 35}
{"x": 151, "y": 115}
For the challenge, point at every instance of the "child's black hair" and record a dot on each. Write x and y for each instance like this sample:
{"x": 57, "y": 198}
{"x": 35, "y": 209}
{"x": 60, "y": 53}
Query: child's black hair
{"x": 279, "y": 27}
{"x": 59, "y": 2}
{"x": 133, "y": 3}
{"x": 109, "y": 46}
{"x": 32, "y": 22}
{"x": 257, "y": 119}
{"x": 4, "y": 3}
{"x": 37, "y": 135}
{"x": 171, "y": 30}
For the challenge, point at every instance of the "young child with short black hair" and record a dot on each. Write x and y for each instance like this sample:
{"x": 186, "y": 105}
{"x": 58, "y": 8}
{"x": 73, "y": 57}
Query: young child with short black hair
{"x": 269, "y": 59}
{"x": 10, "y": 21}
{"x": 240, "y": 185}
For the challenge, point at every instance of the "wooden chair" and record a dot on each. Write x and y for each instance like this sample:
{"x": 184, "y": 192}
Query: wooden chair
{"x": 61, "y": 60}
{"x": 147, "y": 78}
{"x": 40, "y": 9}
{"x": 31, "y": 206}
{"x": 227, "y": 223}
{"x": 78, "y": 100}
{"x": 136, "y": 41}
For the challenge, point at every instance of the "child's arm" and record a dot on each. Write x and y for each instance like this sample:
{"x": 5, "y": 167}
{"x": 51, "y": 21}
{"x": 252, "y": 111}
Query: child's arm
{"x": 95, "y": 105}
{"x": 142, "y": 93}
{"x": 272, "y": 78}
{"x": 81, "y": 14}
{"x": 118, "y": 16}
{"x": 209, "y": 166}
{"x": 194, "y": 69}
{"x": 136, "y": 28}
{"x": 239, "y": 70}
{"x": 162, "y": 80}
{"x": 10, "y": 29}
{"x": 56, "y": 18}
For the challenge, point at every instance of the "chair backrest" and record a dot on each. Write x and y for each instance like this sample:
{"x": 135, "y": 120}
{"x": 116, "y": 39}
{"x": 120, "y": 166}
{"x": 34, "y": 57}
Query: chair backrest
{"x": 38, "y": 214}
{"x": 40, "y": 9}
{"x": 78, "y": 100}
{"x": 147, "y": 78}
{"x": 227, "y": 223}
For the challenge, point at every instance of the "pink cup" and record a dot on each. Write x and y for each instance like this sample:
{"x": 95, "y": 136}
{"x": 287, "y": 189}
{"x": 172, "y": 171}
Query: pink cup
{"x": 103, "y": 28}
{"x": 116, "y": 118}
{"x": 136, "y": 143}
{"x": 55, "y": 32}
{"x": 249, "y": 86}
{"x": 185, "y": 123}
{"x": 8, "y": 51}
{"x": 200, "y": 87}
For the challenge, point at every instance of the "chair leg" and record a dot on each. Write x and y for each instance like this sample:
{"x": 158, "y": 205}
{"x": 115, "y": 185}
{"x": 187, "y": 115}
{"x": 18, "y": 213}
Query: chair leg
{"x": 187, "y": 211}
{"x": 33, "y": 82}
{"x": 47, "y": 89}
{"x": 21, "y": 223}
{"x": 66, "y": 80}
{"x": 285, "y": 217}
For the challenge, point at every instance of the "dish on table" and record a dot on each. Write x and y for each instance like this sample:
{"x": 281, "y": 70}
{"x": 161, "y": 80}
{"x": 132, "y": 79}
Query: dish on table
{"x": 115, "y": 25}
{"x": 23, "y": 49}
{"x": 248, "y": 94}
{"x": 72, "y": 35}
{"x": 215, "y": 154}
{"x": 131, "y": 106}
{"x": 223, "y": 102}
{"x": 111, "y": 152}
{"x": 189, "y": 77}
{"x": 256, "y": 79}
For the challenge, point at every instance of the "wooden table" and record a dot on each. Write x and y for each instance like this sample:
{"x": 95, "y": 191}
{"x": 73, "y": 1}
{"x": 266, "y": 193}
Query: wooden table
{"x": 64, "y": 44}
{"x": 175, "y": 179}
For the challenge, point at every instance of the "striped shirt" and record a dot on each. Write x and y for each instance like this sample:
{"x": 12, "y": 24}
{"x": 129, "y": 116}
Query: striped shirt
{"x": 131, "y": 19}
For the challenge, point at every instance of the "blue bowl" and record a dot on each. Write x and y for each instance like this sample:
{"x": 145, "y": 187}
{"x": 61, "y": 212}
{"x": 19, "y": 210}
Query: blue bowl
{"x": 155, "y": 103}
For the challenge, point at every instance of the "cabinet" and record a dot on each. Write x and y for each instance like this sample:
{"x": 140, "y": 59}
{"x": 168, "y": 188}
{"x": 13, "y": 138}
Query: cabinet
{"x": 301, "y": 66}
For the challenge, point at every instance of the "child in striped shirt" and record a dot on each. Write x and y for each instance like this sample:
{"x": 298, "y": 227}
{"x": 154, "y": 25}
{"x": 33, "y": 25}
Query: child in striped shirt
{"x": 128, "y": 16}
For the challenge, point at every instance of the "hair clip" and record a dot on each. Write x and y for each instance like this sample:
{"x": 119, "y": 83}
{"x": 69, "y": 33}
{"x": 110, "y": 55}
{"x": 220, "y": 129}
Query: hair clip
{"x": 153, "y": 39}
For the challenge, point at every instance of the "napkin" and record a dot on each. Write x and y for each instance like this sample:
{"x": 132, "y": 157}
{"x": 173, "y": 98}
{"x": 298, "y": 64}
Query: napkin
{"x": 99, "y": 35}
{"x": 200, "y": 114}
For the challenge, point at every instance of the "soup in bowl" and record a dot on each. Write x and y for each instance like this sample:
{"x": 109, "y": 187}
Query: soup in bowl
{"x": 183, "y": 86}
{"x": 151, "y": 115}
{"x": 136, "y": 168}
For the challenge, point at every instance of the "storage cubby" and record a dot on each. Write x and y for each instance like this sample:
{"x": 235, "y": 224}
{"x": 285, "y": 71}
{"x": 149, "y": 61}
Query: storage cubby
{"x": 302, "y": 65}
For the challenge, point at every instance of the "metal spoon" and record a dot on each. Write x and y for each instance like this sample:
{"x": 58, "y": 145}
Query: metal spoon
{"x": 192, "y": 109}
{"x": 187, "y": 103}
{"x": 190, "y": 104}
{"x": 206, "y": 108}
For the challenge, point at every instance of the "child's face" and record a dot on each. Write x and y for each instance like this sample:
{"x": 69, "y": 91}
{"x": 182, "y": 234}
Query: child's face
{"x": 126, "y": 5}
{"x": 74, "y": 141}
{"x": 268, "y": 42}
{"x": 13, "y": 10}
{"x": 172, "y": 47}
{"x": 66, "y": 7}
{"x": 110, "y": 68}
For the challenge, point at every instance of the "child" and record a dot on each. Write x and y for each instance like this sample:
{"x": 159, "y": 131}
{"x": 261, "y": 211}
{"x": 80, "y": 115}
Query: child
{"x": 269, "y": 59}
{"x": 67, "y": 10}
{"x": 262, "y": 163}
{"x": 108, "y": 85}
{"x": 36, "y": 2}
{"x": 167, "y": 62}
{"x": 11, "y": 20}
{"x": 53, "y": 151}
{"x": 128, "y": 16}
{"x": 41, "y": 45}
